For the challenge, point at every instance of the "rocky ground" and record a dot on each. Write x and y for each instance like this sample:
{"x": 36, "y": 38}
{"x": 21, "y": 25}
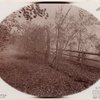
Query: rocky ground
{"x": 27, "y": 75}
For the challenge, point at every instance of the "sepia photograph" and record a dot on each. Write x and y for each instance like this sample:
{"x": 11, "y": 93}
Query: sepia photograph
{"x": 50, "y": 50}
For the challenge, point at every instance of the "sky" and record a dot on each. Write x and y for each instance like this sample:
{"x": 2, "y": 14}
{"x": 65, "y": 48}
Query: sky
{"x": 8, "y": 6}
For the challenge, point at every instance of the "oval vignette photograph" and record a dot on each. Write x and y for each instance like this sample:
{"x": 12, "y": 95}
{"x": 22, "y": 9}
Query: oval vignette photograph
{"x": 50, "y": 50}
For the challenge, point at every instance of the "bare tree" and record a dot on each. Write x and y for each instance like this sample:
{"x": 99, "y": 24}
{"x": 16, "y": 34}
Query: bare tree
{"x": 59, "y": 21}
{"x": 47, "y": 53}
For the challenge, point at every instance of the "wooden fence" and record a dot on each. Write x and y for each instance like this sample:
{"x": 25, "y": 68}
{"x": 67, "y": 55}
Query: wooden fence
{"x": 81, "y": 57}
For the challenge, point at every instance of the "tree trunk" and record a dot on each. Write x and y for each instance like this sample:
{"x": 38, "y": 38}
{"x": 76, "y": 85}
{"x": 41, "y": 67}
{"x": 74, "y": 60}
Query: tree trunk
{"x": 47, "y": 47}
{"x": 79, "y": 43}
{"x": 54, "y": 61}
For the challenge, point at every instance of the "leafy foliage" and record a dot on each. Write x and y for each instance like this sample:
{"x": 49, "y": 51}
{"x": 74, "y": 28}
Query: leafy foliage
{"x": 4, "y": 36}
{"x": 33, "y": 11}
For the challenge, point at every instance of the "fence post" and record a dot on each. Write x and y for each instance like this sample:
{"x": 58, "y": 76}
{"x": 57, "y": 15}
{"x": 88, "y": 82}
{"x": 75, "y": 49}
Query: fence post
{"x": 79, "y": 57}
{"x": 82, "y": 58}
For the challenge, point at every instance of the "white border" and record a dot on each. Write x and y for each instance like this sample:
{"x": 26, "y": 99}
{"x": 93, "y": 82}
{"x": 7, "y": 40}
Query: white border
{"x": 6, "y": 8}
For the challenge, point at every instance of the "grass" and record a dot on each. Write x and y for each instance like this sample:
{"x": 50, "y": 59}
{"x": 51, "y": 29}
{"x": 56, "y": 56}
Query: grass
{"x": 28, "y": 74}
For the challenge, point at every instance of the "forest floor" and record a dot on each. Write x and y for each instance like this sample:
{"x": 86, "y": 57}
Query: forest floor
{"x": 30, "y": 76}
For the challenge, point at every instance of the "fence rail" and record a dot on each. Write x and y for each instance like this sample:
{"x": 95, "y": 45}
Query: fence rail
{"x": 82, "y": 57}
